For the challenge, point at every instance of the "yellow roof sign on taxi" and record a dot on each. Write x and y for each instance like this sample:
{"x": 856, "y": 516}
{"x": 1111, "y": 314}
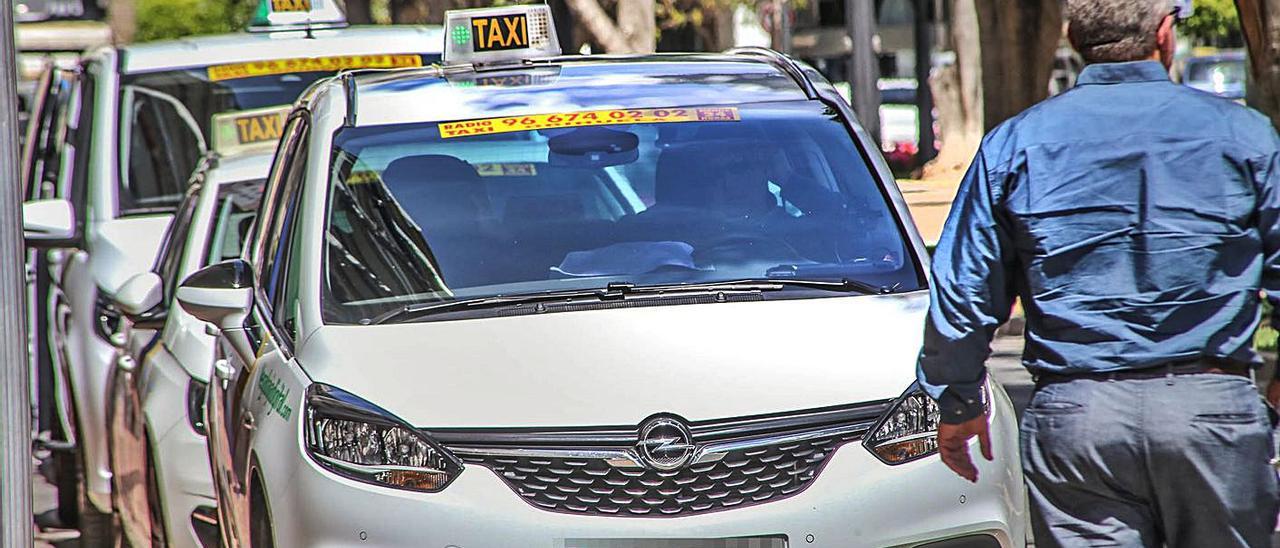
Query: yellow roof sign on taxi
{"x": 505, "y": 34}
{"x": 235, "y": 132}
{"x": 290, "y": 5}
{"x": 311, "y": 64}
{"x": 486, "y": 126}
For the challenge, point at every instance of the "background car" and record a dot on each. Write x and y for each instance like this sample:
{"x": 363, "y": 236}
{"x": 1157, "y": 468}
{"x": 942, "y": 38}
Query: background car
{"x": 1222, "y": 74}
{"x": 570, "y": 298}
{"x": 159, "y": 459}
{"x": 142, "y": 118}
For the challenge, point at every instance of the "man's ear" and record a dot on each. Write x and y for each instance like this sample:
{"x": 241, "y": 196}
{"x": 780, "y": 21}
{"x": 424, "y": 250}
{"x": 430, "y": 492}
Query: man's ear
{"x": 1166, "y": 41}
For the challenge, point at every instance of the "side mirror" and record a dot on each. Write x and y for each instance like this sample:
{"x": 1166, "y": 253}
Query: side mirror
{"x": 220, "y": 294}
{"x": 48, "y": 223}
{"x": 140, "y": 299}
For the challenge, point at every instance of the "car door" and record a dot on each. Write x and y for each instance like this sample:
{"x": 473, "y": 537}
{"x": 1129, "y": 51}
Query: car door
{"x": 232, "y": 406}
{"x": 126, "y": 424}
{"x": 39, "y": 178}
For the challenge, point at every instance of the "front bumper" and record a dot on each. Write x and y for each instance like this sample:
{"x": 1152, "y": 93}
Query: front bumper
{"x": 855, "y": 501}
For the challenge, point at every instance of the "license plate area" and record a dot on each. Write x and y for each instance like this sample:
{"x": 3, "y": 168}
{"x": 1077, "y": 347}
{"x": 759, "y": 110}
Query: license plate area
{"x": 778, "y": 541}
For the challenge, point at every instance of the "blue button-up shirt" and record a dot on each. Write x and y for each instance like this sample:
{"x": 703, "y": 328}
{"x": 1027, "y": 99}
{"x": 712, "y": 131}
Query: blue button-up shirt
{"x": 1136, "y": 219}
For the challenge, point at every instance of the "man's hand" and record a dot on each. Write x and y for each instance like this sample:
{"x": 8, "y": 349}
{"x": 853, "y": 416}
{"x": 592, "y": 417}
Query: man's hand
{"x": 953, "y": 444}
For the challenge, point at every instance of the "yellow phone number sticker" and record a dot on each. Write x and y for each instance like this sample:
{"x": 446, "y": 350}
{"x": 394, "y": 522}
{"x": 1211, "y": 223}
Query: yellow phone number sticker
{"x": 311, "y": 64}
{"x": 508, "y": 124}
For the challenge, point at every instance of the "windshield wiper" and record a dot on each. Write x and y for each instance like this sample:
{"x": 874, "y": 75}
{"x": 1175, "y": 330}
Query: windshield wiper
{"x": 618, "y": 291}
{"x": 478, "y": 303}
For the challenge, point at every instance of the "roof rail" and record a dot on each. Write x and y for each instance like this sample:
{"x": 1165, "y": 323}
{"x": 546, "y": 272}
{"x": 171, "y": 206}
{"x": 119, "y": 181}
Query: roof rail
{"x": 349, "y": 86}
{"x": 781, "y": 62}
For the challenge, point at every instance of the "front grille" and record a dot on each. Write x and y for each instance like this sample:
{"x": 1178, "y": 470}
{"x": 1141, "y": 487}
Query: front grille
{"x": 738, "y": 463}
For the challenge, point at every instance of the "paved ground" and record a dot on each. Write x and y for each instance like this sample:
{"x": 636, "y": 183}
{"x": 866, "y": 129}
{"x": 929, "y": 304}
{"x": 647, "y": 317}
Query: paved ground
{"x": 930, "y": 201}
{"x": 45, "y": 503}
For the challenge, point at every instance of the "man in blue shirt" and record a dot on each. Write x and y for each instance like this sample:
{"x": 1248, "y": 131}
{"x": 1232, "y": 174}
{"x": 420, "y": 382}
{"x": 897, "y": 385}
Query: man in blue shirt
{"x": 1137, "y": 220}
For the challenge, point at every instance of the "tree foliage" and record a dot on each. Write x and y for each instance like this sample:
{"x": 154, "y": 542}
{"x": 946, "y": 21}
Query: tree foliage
{"x": 167, "y": 19}
{"x": 1214, "y": 23}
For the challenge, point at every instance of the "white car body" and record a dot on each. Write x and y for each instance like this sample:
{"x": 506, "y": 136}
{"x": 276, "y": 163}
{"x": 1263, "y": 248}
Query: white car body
{"x": 112, "y": 248}
{"x": 570, "y": 374}
{"x": 153, "y": 431}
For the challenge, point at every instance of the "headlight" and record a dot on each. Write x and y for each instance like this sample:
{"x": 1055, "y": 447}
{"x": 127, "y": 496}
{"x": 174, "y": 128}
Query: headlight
{"x": 359, "y": 440}
{"x": 909, "y": 431}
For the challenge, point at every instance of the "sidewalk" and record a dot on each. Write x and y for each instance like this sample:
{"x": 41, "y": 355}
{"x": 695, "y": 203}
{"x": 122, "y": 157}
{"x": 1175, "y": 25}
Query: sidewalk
{"x": 930, "y": 202}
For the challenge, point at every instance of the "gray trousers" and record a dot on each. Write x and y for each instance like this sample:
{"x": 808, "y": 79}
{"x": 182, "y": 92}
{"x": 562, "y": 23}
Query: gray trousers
{"x": 1181, "y": 461}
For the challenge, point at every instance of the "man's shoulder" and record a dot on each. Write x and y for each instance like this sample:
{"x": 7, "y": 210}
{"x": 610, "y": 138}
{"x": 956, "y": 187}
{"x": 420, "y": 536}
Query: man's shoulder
{"x": 1189, "y": 110}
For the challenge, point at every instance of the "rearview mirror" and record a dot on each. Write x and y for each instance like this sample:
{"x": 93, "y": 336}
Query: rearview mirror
{"x": 593, "y": 147}
{"x": 48, "y": 223}
{"x": 140, "y": 297}
{"x": 220, "y": 294}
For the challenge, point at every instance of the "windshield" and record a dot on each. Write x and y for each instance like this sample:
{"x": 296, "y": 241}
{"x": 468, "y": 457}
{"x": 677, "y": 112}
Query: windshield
{"x": 768, "y": 190}
{"x": 170, "y": 119}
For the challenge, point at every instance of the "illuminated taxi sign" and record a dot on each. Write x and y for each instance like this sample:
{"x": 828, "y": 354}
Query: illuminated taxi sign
{"x": 279, "y": 6}
{"x": 503, "y": 35}
{"x": 500, "y": 32}
{"x": 282, "y": 15}
{"x": 257, "y": 129}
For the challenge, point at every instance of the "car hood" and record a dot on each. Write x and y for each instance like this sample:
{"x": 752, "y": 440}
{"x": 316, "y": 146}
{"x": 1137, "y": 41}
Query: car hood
{"x": 619, "y": 366}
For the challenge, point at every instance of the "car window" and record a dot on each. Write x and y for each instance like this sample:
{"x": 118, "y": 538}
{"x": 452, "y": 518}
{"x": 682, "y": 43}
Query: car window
{"x": 170, "y": 118}
{"x": 422, "y": 212}
{"x": 47, "y": 137}
{"x": 263, "y": 247}
{"x": 172, "y": 250}
{"x": 282, "y": 287}
{"x": 233, "y": 217}
{"x": 39, "y": 127}
{"x": 79, "y": 140}
{"x": 164, "y": 146}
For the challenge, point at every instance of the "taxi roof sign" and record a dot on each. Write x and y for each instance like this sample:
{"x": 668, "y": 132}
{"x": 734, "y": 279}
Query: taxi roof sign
{"x": 284, "y": 15}
{"x": 505, "y": 35}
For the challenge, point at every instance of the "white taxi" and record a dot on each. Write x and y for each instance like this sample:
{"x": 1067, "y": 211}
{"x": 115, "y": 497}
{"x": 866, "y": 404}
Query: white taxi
{"x": 155, "y": 416}
{"x": 141, "y": 117}
{"x": 537, "y": 300}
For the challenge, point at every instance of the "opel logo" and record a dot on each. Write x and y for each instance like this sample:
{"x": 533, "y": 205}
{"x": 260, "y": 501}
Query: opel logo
{"x": 665, "y": 443}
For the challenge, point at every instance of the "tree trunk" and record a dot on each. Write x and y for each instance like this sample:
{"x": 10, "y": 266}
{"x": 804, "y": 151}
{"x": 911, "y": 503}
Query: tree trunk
{"x": 1260, "y": 23}
{"x": 410, "y": 11}
{"x": 122, "y": 18}
{"x": 358, "y": 12}
{"x": 1019, "y": 40}
{"x": 957, "y": 91}
{"x": 633, "y": 33}
{"x": 599, "y": 26}
{"x": 636, "y": 21}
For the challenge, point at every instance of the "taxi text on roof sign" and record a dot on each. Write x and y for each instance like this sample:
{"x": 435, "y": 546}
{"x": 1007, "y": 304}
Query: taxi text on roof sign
{"x": 290, "y": 5}
{"x": 283, "y": 15}
{"x": 503, "y": 35}
{"x": 508, "y": 124}
{"x": 311, "y": 64}
{"x": 500, "y": 32}
{"x": 235, "y": 132}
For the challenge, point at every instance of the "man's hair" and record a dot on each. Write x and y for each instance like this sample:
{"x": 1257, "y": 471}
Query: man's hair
{"x": 1113, "y": 31}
